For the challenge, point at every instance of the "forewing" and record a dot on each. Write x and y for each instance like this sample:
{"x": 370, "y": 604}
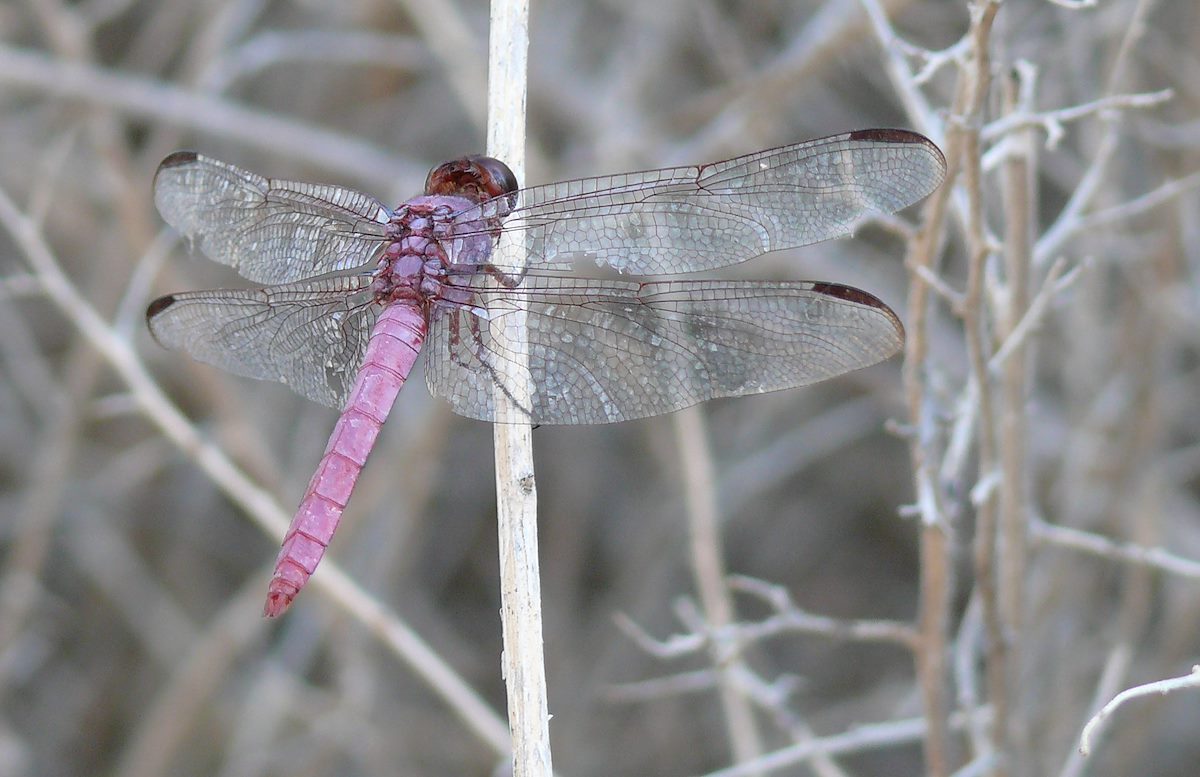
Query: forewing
{"x": 270, "y": 231}
{"x": 310, "y": 336}
{"x": 688, "y": 219}
{"x": 603, "y": 351}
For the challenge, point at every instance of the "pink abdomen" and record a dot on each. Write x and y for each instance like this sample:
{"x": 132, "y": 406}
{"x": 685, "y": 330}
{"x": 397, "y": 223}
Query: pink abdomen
{"x": 395, "y": 342}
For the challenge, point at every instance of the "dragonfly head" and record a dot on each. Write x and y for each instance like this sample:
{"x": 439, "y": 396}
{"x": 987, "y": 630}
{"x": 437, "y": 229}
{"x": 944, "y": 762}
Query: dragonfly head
{"x": 478, "y": 178}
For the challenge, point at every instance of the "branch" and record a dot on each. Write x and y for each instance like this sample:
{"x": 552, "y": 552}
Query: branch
{"x": 259, "y": 505}
{"x": 1052, "y": 286}
{"x": 516, "y": 489}
{"x": 1126, "y": 552}
{"x": 1160, "y": 687}
{"x": 859, "y": 739}
{"x": 707, "y": 554}
{"x": 1052, "y": 121}
{"x": 733, "y": 638}
{"x": 150, "y": 99}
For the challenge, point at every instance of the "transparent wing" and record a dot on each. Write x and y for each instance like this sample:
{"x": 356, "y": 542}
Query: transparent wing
{"x": 688, "y": 219}
{"x": 310, "y": 336}
{"x": 270, "y": 231}
{"x": 602, "y": 351}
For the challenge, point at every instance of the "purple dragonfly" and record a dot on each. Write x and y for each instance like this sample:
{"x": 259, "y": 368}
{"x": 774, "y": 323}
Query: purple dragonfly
{"x": 356, "y": 290}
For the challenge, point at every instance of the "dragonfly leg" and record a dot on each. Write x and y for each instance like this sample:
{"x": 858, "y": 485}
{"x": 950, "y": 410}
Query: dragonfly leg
{"x": 479, "y": 357}
{"x": 503, "y": 278}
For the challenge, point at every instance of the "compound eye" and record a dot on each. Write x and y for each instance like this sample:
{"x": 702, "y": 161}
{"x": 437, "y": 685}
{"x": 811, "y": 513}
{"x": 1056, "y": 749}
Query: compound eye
{"x": 495, "y": 176}
{"x": 477, "y": 178}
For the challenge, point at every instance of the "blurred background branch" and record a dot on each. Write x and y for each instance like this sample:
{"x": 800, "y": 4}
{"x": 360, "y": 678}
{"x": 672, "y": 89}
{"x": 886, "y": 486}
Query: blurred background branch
{"x": 978, "y": 600}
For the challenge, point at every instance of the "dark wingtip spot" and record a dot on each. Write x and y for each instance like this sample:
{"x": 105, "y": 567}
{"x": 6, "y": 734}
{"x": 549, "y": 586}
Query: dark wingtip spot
{"x": 848, "y": 293}
{"x": 159, "y": 305}
{"x": 177, "y": 158}
{"x": 886, "y": 135}
{"x": 860, "y": 297}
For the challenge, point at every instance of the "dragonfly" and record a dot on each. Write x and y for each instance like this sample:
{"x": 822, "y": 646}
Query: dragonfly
{"x": 351, "y": 291}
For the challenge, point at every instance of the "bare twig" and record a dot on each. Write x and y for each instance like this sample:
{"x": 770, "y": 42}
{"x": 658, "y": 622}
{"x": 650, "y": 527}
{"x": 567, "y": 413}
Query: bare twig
{"x": 516, "y": 488}
{"x": 448, "y": 35}
{"x": 143, "y": 97}
{"x": 854, "y": 740}
{"x": 1124, "y": 552}
{"x": 1110, "y": 679}
{"x": 253, "y": 500}
{"x": 1020, "y": 209}
{"x": 976, "y": 325}
{"x": 270, "y": 49}
{"x": 1161, "y": 687}
{"x": 731, "y": 639}
{"x": 1051, "y": 121}
{"x": 679, "y": 684}
{"x": 1068, "y": 226}
{"x": 1054, "y": 284}
{"x": 790, "y": 618}
{"x": 708, "y": 571}
{"x": 916, "y": 106}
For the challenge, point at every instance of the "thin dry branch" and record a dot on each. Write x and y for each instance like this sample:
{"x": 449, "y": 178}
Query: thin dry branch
{"x": 1053, "y": 285}
{"x": 732, "y": 639}
{"x": 259, "y": 505}
{"x": 516, "y": 487}
{"x": 1123, "y": 552}
{"x": 708, "y": 571}
{"x": 977, "y": 327}
{"x": 1052, "y": 121}
{"x": 150, "y": 99}
{"x": 859, "y": 739}
{"x": 1188, "y": 681}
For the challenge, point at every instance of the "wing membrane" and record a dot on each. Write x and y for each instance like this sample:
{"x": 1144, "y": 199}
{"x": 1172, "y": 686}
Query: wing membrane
{"x": 689, "y": 219}
{"x": 603, "y": 351}
{"x": 310, "y": 336}
{"x": 270, "y": 231}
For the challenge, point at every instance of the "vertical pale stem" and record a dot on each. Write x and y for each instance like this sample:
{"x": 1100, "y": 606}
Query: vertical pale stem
{"x": 1019, "y": 198}
{"x": 975, "y": 324}
{"x": 936, "y": 569}
{"x": 708, "y": 567}
{"x": 516, "y": 492}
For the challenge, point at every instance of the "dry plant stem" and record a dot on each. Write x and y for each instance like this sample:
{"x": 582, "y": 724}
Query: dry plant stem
{"x": 935, "y": 564}
{"x": 1116, "y": 667}
{"x": 1019, "y": 200}
{"x": 1052, "y": 121}
{"x": 915, "y": 104}
{"x": 1129, "y": 209}
{"x": 708, "y": 569}
{"x": 1189, "y": 681}
{"x": 1125, "y": 552}
{"x": 516, "y": 489}
{"x": 934, "y": 544}
{"x": 789, "y": 619}
{"x": 257, "y": 503}
{"x": 450, "y": 39}
{"x": 147, "y": 98}
{"x": 859, "y": 739}
{"x": 1053, "y": 284}
{"x": 275, "y": 49}
{"x": 42, "y": 503}
{"x": 967, "y": 647}
{"x": 978, "y": 74}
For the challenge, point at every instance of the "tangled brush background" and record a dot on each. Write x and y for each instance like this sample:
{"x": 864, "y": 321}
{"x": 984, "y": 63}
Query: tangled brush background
{"x": 965, "y": 585}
